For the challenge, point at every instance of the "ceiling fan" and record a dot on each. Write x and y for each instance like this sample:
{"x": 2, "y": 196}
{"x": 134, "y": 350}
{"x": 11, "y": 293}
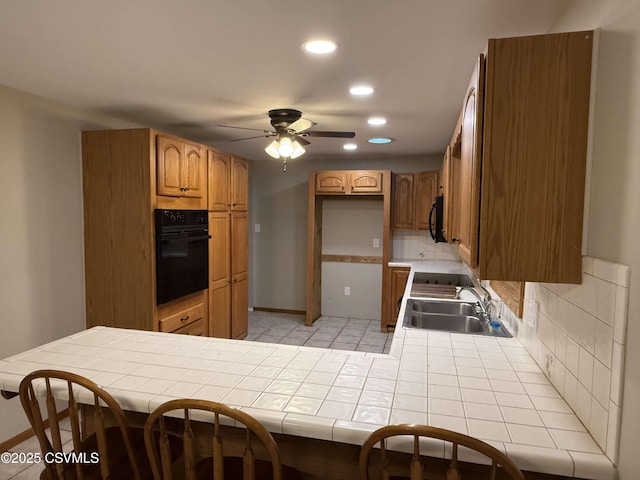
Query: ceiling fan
{"x": 290, "y": 130}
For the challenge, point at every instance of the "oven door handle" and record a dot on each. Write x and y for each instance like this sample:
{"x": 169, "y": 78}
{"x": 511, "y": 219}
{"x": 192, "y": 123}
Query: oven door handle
{"x": 168, "y": 241}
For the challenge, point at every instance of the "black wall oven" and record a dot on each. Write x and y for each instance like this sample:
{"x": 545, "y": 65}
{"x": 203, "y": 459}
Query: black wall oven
{"x": 182, "y": 253}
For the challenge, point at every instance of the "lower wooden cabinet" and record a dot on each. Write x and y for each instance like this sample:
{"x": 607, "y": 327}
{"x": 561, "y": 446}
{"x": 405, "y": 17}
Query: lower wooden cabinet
{"x": 185, "y": 315}
{"x": 228, "y": 277}
{"x": 399, "y": 277}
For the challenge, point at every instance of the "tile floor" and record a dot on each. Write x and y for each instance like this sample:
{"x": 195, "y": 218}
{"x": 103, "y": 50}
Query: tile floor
{"x": 327, "y": 332}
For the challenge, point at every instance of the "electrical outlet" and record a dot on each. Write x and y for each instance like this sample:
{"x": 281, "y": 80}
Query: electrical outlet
{"x": 531, "y": 314}
{"x": 376, "y": 243}
{"x": 256, "y": 228}
{"x": 548, "y": 368}
{"x": 347, "y": 291}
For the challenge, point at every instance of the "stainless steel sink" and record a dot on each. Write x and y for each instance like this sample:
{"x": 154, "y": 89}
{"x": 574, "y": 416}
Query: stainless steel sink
{"x": 448, "y": 308}
{"x": 448, "y": 323}
{"x": 448, "y": 316}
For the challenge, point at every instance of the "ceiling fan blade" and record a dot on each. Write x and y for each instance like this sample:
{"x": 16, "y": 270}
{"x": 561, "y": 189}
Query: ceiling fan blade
{"x": 316, "y": 133}
{"x": 301, "y": 125}
{"x": 301, "y": 140}
{"x": 245, "y": 128}
{"x": 268, "y": 134}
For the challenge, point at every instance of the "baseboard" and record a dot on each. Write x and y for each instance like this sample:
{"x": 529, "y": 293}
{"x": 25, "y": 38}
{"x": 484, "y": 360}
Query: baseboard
{"x": 279, "y": 310}
{"x": 27, "y": 434}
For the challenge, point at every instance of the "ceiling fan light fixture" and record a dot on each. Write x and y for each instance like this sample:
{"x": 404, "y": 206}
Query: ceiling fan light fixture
{"x": 272, "y": 149}
{"x": 285, "y": 148}
{"x": 361, "y": 90}
{"x": 298, "y": 150}
{"x": 319, "y": 47}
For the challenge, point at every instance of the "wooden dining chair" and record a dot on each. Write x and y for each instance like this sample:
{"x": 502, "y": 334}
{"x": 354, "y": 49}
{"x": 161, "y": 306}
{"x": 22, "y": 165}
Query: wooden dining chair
{"x": 236, "y": 458}
{"x": 103, "y": 442}
{"x": 416, "y": 469}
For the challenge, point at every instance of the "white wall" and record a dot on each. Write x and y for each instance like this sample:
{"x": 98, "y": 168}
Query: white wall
{"x": 348, "y": 228}
{"x": 614, "y": 218}
{"x": 41, "y": 265}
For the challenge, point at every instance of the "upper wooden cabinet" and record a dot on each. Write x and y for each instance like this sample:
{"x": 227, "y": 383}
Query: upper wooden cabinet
{"x": 523, "y": 158}
{"x": 471, "y": 148}
{"x": 181, "y": 168}
{"x": 228, "y": 182}
{"x": 349, "y": 182}
{"x": 412, "y": 197}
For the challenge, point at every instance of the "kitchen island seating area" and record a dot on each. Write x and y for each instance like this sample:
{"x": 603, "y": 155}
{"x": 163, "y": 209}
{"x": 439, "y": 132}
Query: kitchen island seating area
{"x": 321, "y": 404}
{"x": 175, "y": 432}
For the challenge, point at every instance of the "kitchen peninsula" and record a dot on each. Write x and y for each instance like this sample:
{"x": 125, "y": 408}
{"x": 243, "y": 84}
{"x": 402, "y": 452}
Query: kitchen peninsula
{"x": 330, "y": 398}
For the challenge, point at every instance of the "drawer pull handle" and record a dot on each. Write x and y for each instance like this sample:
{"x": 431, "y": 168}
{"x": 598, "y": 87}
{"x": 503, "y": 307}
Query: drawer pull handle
{"x": 184, "y": 319}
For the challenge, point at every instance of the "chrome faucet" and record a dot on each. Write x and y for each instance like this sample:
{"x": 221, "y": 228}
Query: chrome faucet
{"x": 483, "y": 300}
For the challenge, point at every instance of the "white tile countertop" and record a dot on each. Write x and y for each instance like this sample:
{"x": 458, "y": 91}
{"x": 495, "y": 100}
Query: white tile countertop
{"x": 486, "y": 387}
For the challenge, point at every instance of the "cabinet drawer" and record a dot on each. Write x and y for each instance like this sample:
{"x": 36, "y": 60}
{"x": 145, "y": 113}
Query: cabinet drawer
{"x": 194, "y": 328}
{"x": 182, "y": 318}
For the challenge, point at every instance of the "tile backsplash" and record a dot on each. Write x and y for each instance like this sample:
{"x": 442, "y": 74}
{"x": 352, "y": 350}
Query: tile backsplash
{"x": 419, "y": 245}
{"x": 577, "y": 335}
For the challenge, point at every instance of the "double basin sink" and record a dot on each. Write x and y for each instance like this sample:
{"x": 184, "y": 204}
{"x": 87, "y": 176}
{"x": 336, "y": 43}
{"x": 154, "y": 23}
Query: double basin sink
{"x": 450, "y": 313}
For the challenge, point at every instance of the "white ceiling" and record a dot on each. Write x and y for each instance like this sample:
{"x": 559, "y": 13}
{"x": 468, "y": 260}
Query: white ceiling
{"x": 186, "y": 66}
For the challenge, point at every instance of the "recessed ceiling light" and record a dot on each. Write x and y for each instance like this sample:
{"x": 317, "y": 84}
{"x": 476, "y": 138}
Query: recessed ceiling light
{"x": 361, "y": 90}
{"x": 350, "y": 146}
{"x": 377, "y": 121}
{"x": 319, "y": 47}
{"x": 379, "y": 140}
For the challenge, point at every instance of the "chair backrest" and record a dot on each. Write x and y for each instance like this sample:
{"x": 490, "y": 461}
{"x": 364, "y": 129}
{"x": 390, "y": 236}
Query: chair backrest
{"x": 416, "y": 468}
{"x": 156, "y": 437}
{"x": 51, "y": 387}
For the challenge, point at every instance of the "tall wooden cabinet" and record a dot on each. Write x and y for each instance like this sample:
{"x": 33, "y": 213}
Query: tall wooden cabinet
{"x": 523, "y": 158}
{"x": 126, "y": 175}
{"x": 228, "y": 249}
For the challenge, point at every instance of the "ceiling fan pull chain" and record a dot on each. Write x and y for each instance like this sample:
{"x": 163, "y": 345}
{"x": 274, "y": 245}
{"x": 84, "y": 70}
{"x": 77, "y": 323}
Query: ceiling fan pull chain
{"x": 284, "y": 164}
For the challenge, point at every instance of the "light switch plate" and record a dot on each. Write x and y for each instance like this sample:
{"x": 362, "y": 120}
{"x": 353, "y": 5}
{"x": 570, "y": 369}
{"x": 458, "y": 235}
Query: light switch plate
{"x": 347, "y": 291}
{"x": 376, "y": 243}
{"x": 256, "y": 228}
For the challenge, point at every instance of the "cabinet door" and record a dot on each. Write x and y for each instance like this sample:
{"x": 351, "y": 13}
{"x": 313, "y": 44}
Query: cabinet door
{"x": 470, "y": 155}
{"x": 220, "y": 311}
{"x": 220, "y": 275}
{"x": 399, "y": 277}
{"x": 169, "y": 161}
{"x": 239, "y": 184}
{"x": 365, "y": 181}
{"x": 331, "y": 182}
{"x": 219, "y": 183}
{"x": 239, "y": 275}
{"x": 194, "y": 167}
{"x": 403, "y": 201}
{"x": 426, "y": 191}
{"x": 240, "y": 311}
